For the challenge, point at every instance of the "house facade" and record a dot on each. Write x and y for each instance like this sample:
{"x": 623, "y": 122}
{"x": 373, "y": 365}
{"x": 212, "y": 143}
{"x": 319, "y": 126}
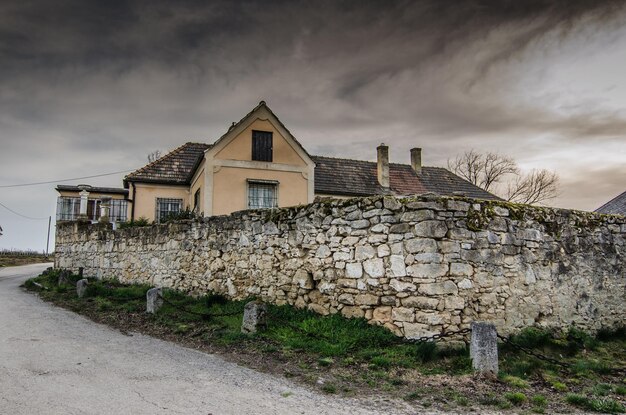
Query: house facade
{"x": 256, "y": 164}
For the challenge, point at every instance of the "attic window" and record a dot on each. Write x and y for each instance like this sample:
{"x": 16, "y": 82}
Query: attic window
{"x": 262, "y": 146}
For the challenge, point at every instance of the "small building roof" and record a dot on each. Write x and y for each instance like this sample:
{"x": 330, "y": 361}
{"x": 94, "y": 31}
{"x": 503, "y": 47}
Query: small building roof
{"x": 92, "y": 189}
{"x": 176, "y": 167}
{"x": 337, "y": 176}
{"x": 615, "y": 206}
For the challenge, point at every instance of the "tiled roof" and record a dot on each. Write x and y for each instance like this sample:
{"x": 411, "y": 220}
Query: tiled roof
{"x": 616, "y": 206}
{"x": 335, "y": 176}
{"x": 176, "y": 167}
{"x": 92, "y": 189}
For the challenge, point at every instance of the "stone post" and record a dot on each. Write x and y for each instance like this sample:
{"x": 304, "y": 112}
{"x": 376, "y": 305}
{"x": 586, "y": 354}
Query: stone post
{"x": 484, "y": 348}
{"x": 84, "y": 197}
{"x": 254, "y": 317}
{"x": 154, "y": 300}
{"x": 383, "y": 165}
{"x": 105, "y": 209}
{"x": 81, "y": 287}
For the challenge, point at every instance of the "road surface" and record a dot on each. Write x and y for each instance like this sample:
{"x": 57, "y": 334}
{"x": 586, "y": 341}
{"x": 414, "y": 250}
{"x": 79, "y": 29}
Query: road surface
{"x": 53, "y": 361}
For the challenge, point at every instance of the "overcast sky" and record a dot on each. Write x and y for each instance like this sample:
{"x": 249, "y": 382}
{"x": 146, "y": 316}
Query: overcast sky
{"x": 93, "y": 87}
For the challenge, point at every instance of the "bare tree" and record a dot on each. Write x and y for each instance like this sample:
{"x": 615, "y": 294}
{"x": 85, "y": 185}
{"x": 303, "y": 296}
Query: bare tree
{"x": 488, "y": 170}
{"x": 154, "y": 156}
{"x": 535, "y": 187}
{"x": 484, "y": 170}
{"x": 0, "y": 230}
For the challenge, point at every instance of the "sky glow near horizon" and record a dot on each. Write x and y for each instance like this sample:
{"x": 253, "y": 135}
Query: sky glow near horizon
{"x": 94, "y": 89}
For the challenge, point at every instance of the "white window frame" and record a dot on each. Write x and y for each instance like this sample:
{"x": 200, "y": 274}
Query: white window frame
{"x": 267, "y": 183}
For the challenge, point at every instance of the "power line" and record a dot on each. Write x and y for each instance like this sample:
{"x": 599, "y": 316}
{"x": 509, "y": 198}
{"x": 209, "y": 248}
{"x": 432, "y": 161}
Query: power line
{"x": 24, "y": 216}
{"x": 65, "y": 180}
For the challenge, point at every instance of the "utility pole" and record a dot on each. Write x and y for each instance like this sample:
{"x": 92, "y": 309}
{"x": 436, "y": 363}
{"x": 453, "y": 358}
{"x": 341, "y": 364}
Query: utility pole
{"x": 48, "y": 239}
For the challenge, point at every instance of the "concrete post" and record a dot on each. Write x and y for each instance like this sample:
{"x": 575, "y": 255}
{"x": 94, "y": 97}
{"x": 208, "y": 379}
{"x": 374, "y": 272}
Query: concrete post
{"x": 254, "y": 317}
{"x": 105, "y": 209}
{"x": 64, "y": 277}
{"x": 84, "y": 198}
{"x": 484, "y": 348}
{"x": 416, "y": 160}
{"x": 81, "y": 287}
{"x": 154, "y": 300}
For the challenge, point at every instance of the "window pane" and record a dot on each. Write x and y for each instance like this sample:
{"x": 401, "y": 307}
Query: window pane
{"x": 262, "y": 195}
{"x": 167, "y": 207}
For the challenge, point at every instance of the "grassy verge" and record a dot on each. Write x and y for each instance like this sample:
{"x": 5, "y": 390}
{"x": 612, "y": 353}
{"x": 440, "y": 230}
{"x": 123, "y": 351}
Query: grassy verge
{"x": 353, "y": 358}
{"x": 16, "y": 260}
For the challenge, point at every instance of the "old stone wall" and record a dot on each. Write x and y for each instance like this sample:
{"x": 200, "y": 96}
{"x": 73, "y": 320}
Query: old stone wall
{"x": 417, "y": 266}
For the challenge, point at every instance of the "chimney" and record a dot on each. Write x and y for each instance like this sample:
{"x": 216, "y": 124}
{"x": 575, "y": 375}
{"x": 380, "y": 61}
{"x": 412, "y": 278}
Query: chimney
{"x": 383, "y": 165}
{"x": 416, "y": 160}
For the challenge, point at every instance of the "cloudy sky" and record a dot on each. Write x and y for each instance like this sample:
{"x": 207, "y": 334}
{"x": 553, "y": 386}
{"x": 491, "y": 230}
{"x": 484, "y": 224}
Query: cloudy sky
{"x": 92, "y": 87}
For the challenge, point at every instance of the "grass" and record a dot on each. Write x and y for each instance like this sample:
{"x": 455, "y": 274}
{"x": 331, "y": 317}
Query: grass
{"x": 8, "y": 260}
{"x": 352, "y": 354}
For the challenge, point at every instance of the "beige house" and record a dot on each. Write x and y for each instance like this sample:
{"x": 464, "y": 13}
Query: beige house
{"x": 257, "y": 164}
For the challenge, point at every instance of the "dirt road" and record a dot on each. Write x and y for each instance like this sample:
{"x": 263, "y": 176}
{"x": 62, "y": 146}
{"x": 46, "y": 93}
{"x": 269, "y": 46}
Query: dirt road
{"x": 53, "y": 361}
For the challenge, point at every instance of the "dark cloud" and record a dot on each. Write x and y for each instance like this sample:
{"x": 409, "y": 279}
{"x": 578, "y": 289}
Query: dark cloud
{"x": 98, "y": 85}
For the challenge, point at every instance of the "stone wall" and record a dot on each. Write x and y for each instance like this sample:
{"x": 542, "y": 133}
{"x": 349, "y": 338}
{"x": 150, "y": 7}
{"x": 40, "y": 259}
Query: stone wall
{"x": 417, "y": 265}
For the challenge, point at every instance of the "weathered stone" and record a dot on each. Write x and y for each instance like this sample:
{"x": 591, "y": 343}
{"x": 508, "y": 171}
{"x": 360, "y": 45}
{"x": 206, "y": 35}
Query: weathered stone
{"x": 419, "y": 245}
{"x": 354, "y": 270}
{"x": 364, "y": 252}
{"x": 374, "y": 267}
{"x": 421, "y": 303}
{"x": 402, "y": 314}
{"x": 459, "y": 269}
{"x": 428, "y": 270}
{"x": 401, "y": 286}
{"x": 429, "y": 318}
{"x": 154, "y": 300}
{"x": 383, "y": 250}
{"x": 254, "y": 317}
{"x": 417, "y": 330}
{"x": 431, "y": 229}
{"x": 352, "y": 312}
{"x": 360, "y": 224}
{"x": 391, "y": 203}
{"x": 455, "y": 303}
{"x": 400, "y": 228}
{"x": 81, "y": 287}
{"x": 484, "y": 348}
{"x": 417, "y": 216}
{"x": 438, "y": 288}
{"x": 367, "y": 299}
{"x": 382, "y": 314}
{"x": 346, "y": 299}
{"x": 465, "y": 284}
{"x": 458, "y": 205}
{"x": 323, "y": 251}
{"x": 303, "y": 279}
{"x": 428, "y": 257}
{"x": 398, "y": 268}
{"x": 379, "y": 228}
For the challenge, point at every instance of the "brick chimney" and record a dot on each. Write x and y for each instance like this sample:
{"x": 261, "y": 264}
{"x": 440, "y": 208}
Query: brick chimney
{"x": 383, "y": 165}
{"x": 416, "y": 160}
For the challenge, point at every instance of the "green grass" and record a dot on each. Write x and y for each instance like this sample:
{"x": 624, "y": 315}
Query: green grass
{"x": 516, "y": 398}
{"x": 603, "y": 405}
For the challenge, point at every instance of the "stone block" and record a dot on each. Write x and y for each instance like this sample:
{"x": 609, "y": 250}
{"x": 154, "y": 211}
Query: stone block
{"x": 323, "y": 251}
{"x": 459, "y": 269}
{"x": 383, "y": 250}
{"x": 366, "y": 299}
{"x": 360, "y": 224}
{"x": 417, "y": 330}
{"x": 303, "y": 279}
{"x": 382, "y": 314}
{"x": 454, "y": 303}
{"x": 401, "y": 286}
{"x": 81, "y": 287}
{"x": 352, "y": 312}
{"x": 484, "y": 348}
{"x": 374, "y": 267}
{"x": 254, "y": 317}
{"x": 417, "y": 216}
{"x": 402, "y": 314}
{"x": 392, "y": 203}
{"x": 364, "y": 252}
{"x": 438, "y": 288}
{"x": 419, "y": 245}
{"x": 154, "y": 301}
{"x": 354, "y": 270}
{"x": 421, "y": 303}
{"x": 398, "y": 268}
{"x": 431, "y": 229}
{"x": 458, "y": 205}
{"x": 428, "y": 270}
{"x": 465, "y": 284}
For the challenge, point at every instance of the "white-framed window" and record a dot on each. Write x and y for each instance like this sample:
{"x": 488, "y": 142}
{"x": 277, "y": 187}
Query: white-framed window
{"x": 262, "y": 194}
{"x": 166, "y": 207}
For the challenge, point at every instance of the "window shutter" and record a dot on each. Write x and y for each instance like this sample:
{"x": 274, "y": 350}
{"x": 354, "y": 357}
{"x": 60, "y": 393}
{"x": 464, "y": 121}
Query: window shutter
{"x": 262, "y": 146}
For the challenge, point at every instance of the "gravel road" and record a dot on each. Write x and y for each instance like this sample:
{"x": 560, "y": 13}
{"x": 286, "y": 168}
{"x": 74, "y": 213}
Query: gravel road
{"x": 53, "y": 361}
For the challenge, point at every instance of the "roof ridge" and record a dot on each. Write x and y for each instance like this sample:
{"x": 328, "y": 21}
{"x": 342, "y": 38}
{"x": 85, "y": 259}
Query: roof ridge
{"x": 168, "y": 154}
{"x": 611, "y": 201}
{"x": 374, "y": 162}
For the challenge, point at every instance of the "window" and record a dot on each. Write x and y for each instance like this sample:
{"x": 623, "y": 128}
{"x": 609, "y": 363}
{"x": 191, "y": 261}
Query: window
{"x": 68, "y": 208}
{"x": 261, "y": 146}
{"x": 262, "y": 194}
{"x": 196, "y": 201}
{"x": 167, "y": 207}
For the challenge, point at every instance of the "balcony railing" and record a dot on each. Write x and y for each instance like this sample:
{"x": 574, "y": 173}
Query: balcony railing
{"x": 68, "y": 208}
